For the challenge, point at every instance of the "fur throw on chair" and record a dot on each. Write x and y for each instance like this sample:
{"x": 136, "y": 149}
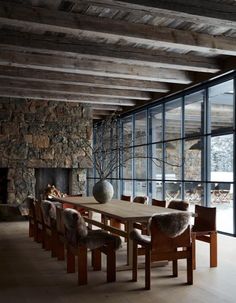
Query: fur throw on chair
{"x": 75, "y": 227}
{"x": 173, "y": 224}
{"x": 77, "y": 233}
{"x": 49, "y": 211}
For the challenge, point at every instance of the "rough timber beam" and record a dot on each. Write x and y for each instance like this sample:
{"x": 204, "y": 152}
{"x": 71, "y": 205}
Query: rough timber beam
{"x": 74, "y": 89}
{"x": 210, "y": 12}
{"x": 15, "y": 73}
{"x": 56, "y": 21}
{"x": 92, "y": 67}
{"x": 97, "y": 51}
{"x": 18, "y": 93}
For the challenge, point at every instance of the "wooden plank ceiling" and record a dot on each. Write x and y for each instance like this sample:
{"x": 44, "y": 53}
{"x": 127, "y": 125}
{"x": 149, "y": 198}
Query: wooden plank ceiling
{"x": 114, "y": 55}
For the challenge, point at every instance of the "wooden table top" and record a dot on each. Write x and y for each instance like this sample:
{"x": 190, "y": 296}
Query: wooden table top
{"x": 119, "y": 209}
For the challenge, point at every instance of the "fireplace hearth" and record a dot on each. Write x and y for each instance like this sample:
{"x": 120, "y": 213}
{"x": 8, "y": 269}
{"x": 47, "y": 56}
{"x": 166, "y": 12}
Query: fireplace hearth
{"x": 59, "y": 177}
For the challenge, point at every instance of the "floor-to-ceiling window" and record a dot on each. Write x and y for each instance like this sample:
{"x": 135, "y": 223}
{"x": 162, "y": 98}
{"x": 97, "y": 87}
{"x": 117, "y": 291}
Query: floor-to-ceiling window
{"x": 183, "y": 148}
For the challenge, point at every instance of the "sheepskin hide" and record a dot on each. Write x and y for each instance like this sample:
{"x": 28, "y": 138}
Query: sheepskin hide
{"x": 99, "y": 238}
{"x": 75, "y": 227}
{"x": 173, "y": 224}
{"x": 46, "y": 211}
{"x": 77, "y": 233}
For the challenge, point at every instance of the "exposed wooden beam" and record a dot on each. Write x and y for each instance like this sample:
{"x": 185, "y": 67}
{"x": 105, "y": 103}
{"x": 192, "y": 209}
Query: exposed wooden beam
{"x": 77, "y": 79}
{"x": 210, "y": 12}
{"x": 74, "y": 89}
{"x": 56, "y": 21}
{"x": 97, "y": 51}
{"x": 18, "y": 93}
{"x": 92, "y": 67}
{"x": 107, "y": 107}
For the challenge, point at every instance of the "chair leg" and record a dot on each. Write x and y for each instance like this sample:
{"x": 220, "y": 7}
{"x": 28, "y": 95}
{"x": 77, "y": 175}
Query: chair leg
{"x": 175, "y": 268}
{"x": 96, "y": 259}
{"x": 190, "y": 266}
{"x": 60, "y": 251}
{"x": 194, "y": 250}
{"x": 135, "y": 262}
{"x": 213, "y": 249}
{"x": 31, "y": 229}
{"x": 54, "y": 243}
{"x": 111, "y": 263}
{"x": 147, "y": 268}
{"x": 82, "y": 265}
{"x": 70, "y": 261}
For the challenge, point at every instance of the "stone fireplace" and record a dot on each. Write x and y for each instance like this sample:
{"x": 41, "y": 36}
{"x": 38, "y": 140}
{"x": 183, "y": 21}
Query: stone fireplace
{"x": 38, "y": 135}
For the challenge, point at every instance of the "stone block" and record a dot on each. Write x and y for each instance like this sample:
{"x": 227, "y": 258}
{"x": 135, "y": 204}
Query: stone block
{"x": 41, "y": 141}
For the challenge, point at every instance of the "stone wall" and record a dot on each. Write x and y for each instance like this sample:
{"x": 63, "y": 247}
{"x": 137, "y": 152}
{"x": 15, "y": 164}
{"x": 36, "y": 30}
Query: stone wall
{"x": 36, "y": 134}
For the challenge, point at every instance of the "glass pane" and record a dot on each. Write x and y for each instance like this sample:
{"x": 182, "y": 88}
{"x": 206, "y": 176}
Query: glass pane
{"x": 127, "y": 128}
{"x": 222, "y": 199}
{"x": 127, "y": 163}
{"x": 193, "y": 119}
{"x": 128, "y": 188}
{"x": 221, "y": 106}
{"x": 173, "y": 115}
{"x": 157, "y": 190}
{"x": 90, "y": 184}
{"x": 140, "y": 132}
{"x": 193, "y": 159}
{"x": 156, "y": 120}
{"x": 173, "y": 160}
{"x": 222, "y": 158}
{"x": 140, "y": 188}
{"x": 156, "y": 163}
{"x": 140, "y": 162}
{"x": 221, "y": 173}
{"x": 172, "y": 191}
{"x": 193, "y": 193}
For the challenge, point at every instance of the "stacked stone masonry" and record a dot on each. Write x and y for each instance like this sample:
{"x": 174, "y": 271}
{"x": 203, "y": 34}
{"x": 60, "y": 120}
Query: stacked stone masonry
{"x": 36, "y": 134}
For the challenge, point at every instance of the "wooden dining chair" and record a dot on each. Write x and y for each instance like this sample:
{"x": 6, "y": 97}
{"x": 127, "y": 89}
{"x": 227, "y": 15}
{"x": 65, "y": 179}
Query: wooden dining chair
{"x": 179, "y": 205}
{"x": 32, "y": 218}
{"x": 204, "y": 229}
{"x": 60, "y": 234}
{"x": 161, "y": 203}
{"x": 140, "y": 199}
{"x": 49, "y": 226}
{"x": 39, "y": 223}
{"x": 168, "y": 233}
{"x": 125, "y": 198}
{"x": 141, "y": 226}
{"x": 79, "y": 240}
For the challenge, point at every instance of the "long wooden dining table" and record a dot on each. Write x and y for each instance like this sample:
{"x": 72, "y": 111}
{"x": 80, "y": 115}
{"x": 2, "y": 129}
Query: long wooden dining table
{"x": 127, "y": 212}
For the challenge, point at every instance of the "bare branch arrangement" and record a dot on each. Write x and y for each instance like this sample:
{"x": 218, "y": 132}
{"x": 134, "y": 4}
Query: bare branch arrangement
{"x": 112, "y": 148}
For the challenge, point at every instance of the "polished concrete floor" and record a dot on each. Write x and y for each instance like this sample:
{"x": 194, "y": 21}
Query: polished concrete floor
{"x": 28, "y": 274}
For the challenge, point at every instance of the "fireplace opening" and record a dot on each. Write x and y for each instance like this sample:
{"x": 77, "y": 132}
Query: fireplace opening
{"x": 3, "y": 185}
{"x": 59, "y": 177}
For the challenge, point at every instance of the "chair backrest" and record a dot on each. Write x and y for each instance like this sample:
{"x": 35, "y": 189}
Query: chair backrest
{"x": 59, "y": 221}
{"x": 125, "y": 198}
{"x": 205, "y": 219}
{"x": 48, "y": 212}
{"x": 75, "y": 227}
{"x": 170, "y": 231}
{"x": 38, "y": 212}
{"x": 179, "y": 205}
{"x": 140, "y": 199}
{"x": 161, "y": 203}
{"x": 31, "y": 206}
